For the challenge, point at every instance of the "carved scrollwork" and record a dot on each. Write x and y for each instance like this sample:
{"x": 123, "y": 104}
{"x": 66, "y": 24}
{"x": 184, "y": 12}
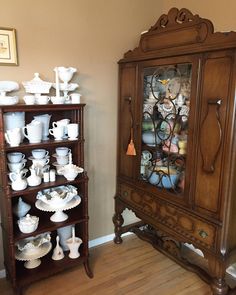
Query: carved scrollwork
{"x": 210, "y": 142}
{"x": 174, "y": 16}
{"x": 172, "y": 247}
{"x": 167, "y": 215}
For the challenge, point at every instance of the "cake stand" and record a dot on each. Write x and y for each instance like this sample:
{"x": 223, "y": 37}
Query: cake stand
{"x": 66, "y": 87}
{"x": 8, "y": 86}
{"x": 33, "y": 259}
{"x": 59, "y": 215}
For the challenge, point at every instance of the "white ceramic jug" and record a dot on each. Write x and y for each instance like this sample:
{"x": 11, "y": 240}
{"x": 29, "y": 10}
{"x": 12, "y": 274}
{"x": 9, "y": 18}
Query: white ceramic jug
{"x": 34, "y": 131}
{"x": 18, "y": 181}
{"x": 34, "y": 179}
{"x": 14, "y": 120}
{"x": 45, "y": 120}
{"x": 13, "y": 137}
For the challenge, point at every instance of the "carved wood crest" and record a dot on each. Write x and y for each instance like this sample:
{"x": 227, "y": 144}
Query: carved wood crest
{"x": 179, "y": 32}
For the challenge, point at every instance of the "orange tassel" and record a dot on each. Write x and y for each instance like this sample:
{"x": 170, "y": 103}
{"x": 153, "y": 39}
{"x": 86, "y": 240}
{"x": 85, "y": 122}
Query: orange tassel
{"x": 131, "y": 148}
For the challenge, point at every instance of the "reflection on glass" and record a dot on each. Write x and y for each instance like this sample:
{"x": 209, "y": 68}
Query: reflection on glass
{"x": 165, "y": 125}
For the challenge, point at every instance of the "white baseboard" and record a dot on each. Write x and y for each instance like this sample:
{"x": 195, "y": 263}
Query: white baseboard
{"x": 104, "y": 239}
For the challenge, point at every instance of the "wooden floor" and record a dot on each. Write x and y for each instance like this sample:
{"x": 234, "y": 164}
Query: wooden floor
{"x": 132, "y": 268}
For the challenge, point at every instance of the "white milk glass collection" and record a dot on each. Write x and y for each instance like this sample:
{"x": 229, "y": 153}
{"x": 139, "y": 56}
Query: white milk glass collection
{"x": 40, "y": 167}
{"x": 38, "y": 130}
{"x": 40, "y": 92}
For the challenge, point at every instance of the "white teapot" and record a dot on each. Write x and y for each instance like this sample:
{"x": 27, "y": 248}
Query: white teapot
{"x": 34, "y": 179}
{"x": 18, "y": 181}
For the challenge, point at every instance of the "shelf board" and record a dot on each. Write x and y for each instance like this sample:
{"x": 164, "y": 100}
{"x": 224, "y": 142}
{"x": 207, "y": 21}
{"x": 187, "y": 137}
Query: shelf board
{"x": 60, "y": 180}
{"x": 41, "y": 108}
{"x": 47, "y": 268}
{"x": 46, "y": 225}
{"x": 50, "y": 143}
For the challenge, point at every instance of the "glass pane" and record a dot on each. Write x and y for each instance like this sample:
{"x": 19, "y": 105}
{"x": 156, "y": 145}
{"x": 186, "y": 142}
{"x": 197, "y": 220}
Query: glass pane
{"x": 166, "y": 105}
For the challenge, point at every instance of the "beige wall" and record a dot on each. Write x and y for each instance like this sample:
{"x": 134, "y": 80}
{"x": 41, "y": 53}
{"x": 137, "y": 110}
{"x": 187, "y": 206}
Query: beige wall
{"x": 92, "y": 35}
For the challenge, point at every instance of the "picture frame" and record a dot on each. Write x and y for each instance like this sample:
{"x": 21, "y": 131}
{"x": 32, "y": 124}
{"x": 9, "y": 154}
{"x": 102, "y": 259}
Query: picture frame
{"x": 8, "y": 50}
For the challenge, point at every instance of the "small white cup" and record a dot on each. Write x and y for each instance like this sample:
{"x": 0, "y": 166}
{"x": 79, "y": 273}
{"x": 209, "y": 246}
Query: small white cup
{"x": 73, "y": 131}
{"x": 29, "y": 99}
{"x": 75, "y": 97}
{"x": 58, "y": 100}
{"x": 15, "y": 167}
{"x": 40, "y": 162}
{"x": 43, "y": 99}
{"x": 62, "y": 151}
{"x": 57, "y": 132}
{"x": 64, "y": 123}
{"x": 39, "y": 153}
{"x": 15, "y": 157}
{"x": 13, "y": 137}
{"x": 63, "y": 160}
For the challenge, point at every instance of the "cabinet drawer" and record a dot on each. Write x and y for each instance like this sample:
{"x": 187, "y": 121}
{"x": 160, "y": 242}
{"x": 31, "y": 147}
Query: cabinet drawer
{"x": 191, "y": 228}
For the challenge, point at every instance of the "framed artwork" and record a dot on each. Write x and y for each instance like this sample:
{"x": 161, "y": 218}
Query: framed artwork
{"x": 8, "y": 51}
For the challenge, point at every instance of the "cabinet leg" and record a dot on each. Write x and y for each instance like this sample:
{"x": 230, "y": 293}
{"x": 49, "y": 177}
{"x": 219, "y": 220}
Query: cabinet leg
{"x": 219, "y": 287}
{"x": 118, "y": 221}
{"x": 217, "y": 269}
{"x": 18, "y": 291}
{"x": 88, "y": 269}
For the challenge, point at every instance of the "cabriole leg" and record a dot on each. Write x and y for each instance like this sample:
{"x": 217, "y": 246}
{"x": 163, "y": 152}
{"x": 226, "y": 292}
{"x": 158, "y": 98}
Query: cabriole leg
{"x": 118, "y": 221}
{"x": 88, "y": 269}
{"x": 217, "y": 270}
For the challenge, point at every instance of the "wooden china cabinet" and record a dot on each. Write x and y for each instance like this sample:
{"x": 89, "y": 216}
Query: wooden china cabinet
{"x": 20, "y": 276}
{"x": 176, "y": 142}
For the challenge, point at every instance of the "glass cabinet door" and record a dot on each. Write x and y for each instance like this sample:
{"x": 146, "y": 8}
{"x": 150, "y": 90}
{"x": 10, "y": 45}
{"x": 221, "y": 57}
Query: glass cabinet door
{"x": 166, "y": 103}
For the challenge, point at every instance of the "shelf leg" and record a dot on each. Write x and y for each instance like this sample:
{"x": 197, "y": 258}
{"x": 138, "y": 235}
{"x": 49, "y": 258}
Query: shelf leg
{"x": 18, "y": 291}
{"x": 88, "y": 269}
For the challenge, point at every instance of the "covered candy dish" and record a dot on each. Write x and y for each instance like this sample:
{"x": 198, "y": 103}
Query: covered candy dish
{"x": 28, "y": 224}
{"x": 37, "y": 86}
{"x": 57, "y": 197}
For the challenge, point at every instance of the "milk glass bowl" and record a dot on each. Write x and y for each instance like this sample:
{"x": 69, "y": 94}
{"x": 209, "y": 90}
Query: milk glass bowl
{"x": 57, "y": 197}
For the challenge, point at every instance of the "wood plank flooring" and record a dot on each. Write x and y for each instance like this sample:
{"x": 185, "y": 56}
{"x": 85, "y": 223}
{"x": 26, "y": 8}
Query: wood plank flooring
{"x": 132, "y": 268}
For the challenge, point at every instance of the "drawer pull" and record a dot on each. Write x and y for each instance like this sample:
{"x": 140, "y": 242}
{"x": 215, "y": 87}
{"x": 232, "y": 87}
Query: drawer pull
{"x": 203, "y": 234}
